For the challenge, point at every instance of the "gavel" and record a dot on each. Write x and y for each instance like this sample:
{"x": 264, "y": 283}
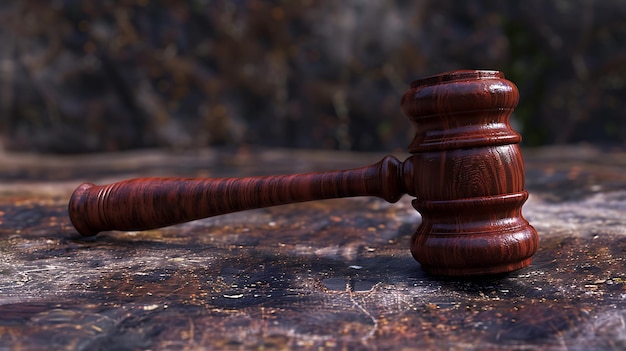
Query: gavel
{"x": 466, "y": 173}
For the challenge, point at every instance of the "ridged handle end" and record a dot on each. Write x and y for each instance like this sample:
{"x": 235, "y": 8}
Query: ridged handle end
{"x": 79, "y": 214}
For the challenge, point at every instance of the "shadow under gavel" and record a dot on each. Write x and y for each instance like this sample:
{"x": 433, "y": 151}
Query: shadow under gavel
{"x": 466, "y": 172}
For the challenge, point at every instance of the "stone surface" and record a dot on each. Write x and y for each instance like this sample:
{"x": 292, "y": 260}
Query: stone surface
{"x": 333, "y": 274}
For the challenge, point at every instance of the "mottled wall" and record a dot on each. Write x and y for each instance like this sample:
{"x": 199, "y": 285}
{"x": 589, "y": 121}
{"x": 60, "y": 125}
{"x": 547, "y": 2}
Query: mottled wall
{"x": 81, "y": 75}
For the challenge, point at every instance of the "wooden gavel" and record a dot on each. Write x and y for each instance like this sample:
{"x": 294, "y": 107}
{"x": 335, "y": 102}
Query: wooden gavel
{"x": 466, "y": 172}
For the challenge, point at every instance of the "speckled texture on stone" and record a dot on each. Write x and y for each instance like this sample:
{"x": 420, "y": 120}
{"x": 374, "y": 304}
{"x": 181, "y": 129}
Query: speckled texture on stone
{"x": 331, "y": 274}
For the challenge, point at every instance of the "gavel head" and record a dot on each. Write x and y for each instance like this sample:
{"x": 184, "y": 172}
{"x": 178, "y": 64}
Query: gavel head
{"x": 467, "y": 175}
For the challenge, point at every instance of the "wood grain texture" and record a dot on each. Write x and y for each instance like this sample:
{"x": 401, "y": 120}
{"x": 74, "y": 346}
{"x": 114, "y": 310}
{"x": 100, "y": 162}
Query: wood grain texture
{"x": 149, "y": 203}
{"x": 468, "y": 175}
{"x": 466, "y": 172}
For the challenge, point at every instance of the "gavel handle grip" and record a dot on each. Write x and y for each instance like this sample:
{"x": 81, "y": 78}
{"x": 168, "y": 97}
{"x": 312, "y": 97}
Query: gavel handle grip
{"x": 149, "y": 203}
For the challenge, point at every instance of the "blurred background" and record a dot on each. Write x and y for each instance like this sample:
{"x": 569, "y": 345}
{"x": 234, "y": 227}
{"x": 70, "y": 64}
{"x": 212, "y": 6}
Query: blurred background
{"x": 86, "y": 75}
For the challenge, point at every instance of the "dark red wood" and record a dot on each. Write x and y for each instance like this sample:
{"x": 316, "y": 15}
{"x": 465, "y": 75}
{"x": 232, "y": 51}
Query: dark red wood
{"x": 148, "y": 203}
{"x": 466, "y": 173}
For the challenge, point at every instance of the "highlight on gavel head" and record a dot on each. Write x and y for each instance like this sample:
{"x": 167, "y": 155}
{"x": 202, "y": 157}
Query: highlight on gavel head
{"x": 467, "y": 175}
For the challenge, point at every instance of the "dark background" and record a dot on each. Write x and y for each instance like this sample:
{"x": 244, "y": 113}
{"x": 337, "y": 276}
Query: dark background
{"x": 84, "y": 76}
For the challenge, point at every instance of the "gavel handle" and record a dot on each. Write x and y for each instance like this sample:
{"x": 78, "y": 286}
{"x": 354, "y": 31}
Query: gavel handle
{"x": 149, "y": 203}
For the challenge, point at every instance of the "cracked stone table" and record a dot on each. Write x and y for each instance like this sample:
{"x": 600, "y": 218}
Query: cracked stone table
{"x": 334, "y": 274}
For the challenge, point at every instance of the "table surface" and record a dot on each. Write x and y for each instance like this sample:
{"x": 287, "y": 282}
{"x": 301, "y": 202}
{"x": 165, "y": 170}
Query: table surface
{"x": 334, "y": 274}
